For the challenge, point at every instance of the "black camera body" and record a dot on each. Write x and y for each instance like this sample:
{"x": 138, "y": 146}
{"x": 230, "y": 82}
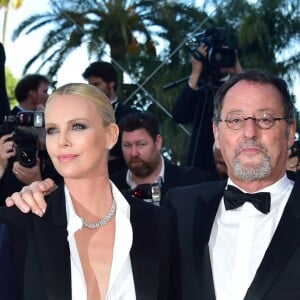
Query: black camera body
{"x": 26, "y": 142}
{"x": 219, "y": 54}
{"x": 148, "y": 191}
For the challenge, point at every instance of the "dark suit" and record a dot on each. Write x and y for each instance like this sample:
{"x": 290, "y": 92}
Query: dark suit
{"x": 196, "y": 108}
{"x": 118, "y": 163}
{"x": 278, "y": 275}
{"x": 8, "y": 285}
{"x": 15, "y": 110}
{"x": 42, "y": 257}
{"x": 121, "y": 110}
{"x": 4, "y": 102}
{"x": 174, "y": 176}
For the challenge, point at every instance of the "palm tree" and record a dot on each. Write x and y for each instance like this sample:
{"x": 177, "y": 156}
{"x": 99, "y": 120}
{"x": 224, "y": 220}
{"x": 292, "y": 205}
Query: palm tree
{"x": 133, "y": 31}
{"x": 267, "y": 31}
{"x": 93, "y": 23}
{"x": 129, "y": 29}
{"x": 5, "y": 5}
{"x": 268, "y": 34}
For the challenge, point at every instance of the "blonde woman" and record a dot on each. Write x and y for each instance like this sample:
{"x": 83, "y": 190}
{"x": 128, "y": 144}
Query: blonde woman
{"x": 91, "y": 243}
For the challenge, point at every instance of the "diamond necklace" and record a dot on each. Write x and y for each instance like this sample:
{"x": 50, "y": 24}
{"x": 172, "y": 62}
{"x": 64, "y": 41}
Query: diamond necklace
{"x": 102, "y": 221}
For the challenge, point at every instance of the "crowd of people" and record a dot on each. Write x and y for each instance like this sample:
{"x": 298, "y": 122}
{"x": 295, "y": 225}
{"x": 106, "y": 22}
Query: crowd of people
{"x": 101, "y": 214}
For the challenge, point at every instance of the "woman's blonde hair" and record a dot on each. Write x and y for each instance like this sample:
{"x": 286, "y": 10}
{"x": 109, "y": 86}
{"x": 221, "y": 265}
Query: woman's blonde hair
{"x": 92, "y": 93}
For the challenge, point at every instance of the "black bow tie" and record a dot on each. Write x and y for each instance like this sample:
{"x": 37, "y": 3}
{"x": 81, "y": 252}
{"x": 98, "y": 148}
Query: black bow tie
{"x": 234, "y": 198}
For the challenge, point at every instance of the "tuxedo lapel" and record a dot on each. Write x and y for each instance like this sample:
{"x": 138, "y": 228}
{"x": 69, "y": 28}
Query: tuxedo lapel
{"x": 206, "y": 283}
{"x": 205, "y": 214}
{"x": 52, "y": 248}
{"x": 172, "y": 178}
{"x": 281, "y": 248}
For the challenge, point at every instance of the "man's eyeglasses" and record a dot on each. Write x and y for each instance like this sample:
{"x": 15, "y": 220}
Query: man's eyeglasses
{"x": 236, "y": 121}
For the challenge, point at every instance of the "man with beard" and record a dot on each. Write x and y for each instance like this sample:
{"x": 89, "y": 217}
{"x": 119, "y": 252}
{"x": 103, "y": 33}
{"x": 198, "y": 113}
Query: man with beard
{"x": 148, "y": 175}
{"x": 240, "y": 238}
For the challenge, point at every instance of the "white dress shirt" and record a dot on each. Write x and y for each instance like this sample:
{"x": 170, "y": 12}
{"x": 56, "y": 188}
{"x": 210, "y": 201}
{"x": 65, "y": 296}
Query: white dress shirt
{"x": 121, "y": 283}
{"x": 239, "y": 239}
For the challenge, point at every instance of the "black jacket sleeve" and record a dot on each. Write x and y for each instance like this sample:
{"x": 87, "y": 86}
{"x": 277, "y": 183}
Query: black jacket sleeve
{"x": 4, "y": 103}
{"x": 185, "y": 106}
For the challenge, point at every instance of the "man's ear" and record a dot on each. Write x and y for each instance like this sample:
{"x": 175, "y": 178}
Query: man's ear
{"x": 32, "y": 94}
{"x": 112, "y": 135}
{"x": 112, "y": 85}
{"x": 291, "y": 134}
{"x": 159, "y": 142}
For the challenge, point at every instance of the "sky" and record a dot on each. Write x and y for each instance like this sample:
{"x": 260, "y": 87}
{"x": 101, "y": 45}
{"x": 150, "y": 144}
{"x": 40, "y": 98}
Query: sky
{"x": 18, "y": 52}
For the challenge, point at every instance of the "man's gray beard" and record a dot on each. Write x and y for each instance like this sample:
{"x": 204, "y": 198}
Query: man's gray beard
{"x": 252, "y": 172}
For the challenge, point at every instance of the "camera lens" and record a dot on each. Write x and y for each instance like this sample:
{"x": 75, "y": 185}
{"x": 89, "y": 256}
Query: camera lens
{"x": 26, "y": 157}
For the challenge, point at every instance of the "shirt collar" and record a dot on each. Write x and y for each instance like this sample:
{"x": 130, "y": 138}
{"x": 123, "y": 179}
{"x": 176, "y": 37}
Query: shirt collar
{"x": 21, "y": 108}
{"x": 274, "y": 189}
{"x": 75, "y": 222}
{"x": 115, "y": 103}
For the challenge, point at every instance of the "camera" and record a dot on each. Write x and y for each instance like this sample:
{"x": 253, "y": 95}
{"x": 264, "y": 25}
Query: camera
{"x": 26, "y": 142}
{"x": 148, "y": 192}
{"x": 219, "y": 54}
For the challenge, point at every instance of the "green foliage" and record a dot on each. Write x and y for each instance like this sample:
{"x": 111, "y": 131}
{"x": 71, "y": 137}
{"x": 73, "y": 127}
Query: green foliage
{"x": 11, "y": 82}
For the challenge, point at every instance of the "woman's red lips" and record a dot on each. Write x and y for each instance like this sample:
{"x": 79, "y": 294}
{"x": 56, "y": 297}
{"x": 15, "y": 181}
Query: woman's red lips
{"x": 66, "y": 157}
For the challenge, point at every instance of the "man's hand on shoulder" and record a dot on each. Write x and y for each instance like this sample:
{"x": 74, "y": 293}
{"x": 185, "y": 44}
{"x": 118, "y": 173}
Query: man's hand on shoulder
{"x": 32, "y": 197}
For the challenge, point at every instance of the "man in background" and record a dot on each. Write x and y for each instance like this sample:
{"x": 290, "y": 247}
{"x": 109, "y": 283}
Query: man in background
{"x": 23, "y": 157}
{"x": 148, "y": 175}
{"x": 31, "y": 93}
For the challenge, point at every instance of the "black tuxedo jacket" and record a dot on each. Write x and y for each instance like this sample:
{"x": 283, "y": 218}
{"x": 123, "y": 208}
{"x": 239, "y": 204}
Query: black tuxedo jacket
{"x": 15, "y": 110}
{"x": 122, "y": 110}
{"x": 277, "y": 277}
{"x": 7, "y": 275}
{"x": 174, "y": 176}
{"x": 41, "y": 252}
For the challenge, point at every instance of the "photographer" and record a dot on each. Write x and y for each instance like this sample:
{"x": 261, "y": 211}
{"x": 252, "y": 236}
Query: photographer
{"x": 13, "y": 174}
{"x": 22, "y": 158}
{"x": 23, "y": 155}
{"x": 148, "y": 175}
{"x": 212, "y": 64}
